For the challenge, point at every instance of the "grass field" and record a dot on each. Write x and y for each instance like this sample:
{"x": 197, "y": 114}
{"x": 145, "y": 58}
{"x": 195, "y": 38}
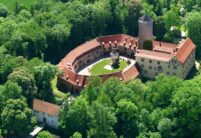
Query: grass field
{"x": 11, "y": 3}
{"x": 98, "y": 69}
{"x": 56, "y": 92}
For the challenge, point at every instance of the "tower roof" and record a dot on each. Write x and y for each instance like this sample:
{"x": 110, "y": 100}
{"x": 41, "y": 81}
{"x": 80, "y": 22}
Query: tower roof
{"x": 145, "y": 18}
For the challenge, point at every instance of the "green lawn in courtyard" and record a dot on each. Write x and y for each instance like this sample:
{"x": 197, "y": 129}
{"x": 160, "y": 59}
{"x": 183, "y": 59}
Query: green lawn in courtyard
{"x": 98, "y": 69}
{"x": 56, "y": 92}
{"x": 11, "y": 3}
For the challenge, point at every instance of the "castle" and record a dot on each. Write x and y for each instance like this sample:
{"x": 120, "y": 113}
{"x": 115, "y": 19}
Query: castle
{"x": 152, "y": 57}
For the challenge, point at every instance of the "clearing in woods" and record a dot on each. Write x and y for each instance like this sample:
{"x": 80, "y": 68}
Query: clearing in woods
{"x": 11, "y": 3}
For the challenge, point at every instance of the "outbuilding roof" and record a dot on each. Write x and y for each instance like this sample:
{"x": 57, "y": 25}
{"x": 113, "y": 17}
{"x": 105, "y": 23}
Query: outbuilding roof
{"x": 45, "y": 107}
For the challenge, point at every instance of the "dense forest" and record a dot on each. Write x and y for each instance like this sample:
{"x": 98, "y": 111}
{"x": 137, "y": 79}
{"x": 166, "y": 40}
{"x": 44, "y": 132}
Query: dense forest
{"x": 34, "y": 39}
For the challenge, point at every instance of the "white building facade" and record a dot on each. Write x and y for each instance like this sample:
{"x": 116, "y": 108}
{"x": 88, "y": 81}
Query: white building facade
{"x": 46, "y": 113}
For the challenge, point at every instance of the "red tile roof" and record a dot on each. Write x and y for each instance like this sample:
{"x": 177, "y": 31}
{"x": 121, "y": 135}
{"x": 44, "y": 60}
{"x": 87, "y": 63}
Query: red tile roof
{"x": 46, "y": 107}
{"x": 131, "y": 73}
{"x": 154, "y": 55}
{"x": 184, "y": 50}
{"x": 80, "y": 50}
{"x": 163, "y": 47}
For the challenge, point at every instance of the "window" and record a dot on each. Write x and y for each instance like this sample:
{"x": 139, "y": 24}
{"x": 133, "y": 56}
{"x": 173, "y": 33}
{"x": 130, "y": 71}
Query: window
{"x": 158, "y": 62}
{"x": 142, "y": 60}
{"x": 173, "y": 73}
{"x": 160, "y": 68}
{"x": 168, "y": 66}
{"x": 145, "y": 71}
{"x": 174, "y": 67}
{"x": 156, "y": 74}
{"x": 142, "y": 66}
{"x": 150, "y": 67}
{"x": 150, "y": 61}
{"x": 168, "y": 73}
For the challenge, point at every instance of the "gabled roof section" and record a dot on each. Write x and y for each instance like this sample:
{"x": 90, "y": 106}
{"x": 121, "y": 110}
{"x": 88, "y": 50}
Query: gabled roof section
{"x": 131, "y": 73}
{"x": 184, "y": 50}
{"x": 145, "y": 19}
{"x": 154, "y": 55}
{"x": 45, "y": 107}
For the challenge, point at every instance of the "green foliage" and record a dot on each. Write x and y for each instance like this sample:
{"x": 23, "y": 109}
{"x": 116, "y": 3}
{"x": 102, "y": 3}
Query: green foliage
{"x": 126, "y": 113}
{"x": 76, "y": 135}
{"x": 161, "y": 93}
{"x": 11, "y": 4}
{"x": 44, "y": 134}
{"x": 75, "y": 118}
{"x": 133, "y": 13}
{"x": 193, "y": 26}
{"x": 159, "y": 28}
{"x": 148, "y": 45}
{"x": 3, "y": 10}
{"x": 11, "y": 90}
{"x": 17, "y": 118}
{"x": 102, "y": 121}
{"x": 186, "y": 103}
{"x": 172, "y": 18}
{"x": 43, "y": 75}
{"x": 25, "y": 80}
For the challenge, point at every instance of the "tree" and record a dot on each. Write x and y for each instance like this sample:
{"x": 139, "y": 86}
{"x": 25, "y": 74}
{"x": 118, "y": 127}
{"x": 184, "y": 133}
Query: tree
{"x": 11, "y": 90}
{"x": 186, "y": 104}
{"x": 3, "y": 10}
{"x": 126, "y": 113}
{"x": 164, "y": 127}
{"x": 102, "y": 120}
{"x": 76, "y": 118}
{"x": 31, "y": 64}
{"x": 17, "y": 118}
{"x": 159, "y": 28}
{"x": 162, "y": 90}
{"x": 193, "y": 26}
{"x": 26, "y": 80}
{"x": 172, "y": 18}
{"x": 76, "y": 135}
{"x": 92, "y": 91}
{"x": 134, "y": 13}
{"x": 44, "y": 134}
{"x": 43, "y": 75}
{"x": 7, "y": 63}
{"x": 28, "y": 40}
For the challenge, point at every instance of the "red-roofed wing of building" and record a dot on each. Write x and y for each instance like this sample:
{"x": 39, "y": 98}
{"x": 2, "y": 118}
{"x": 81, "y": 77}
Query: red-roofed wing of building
{"x": 184, "y": 50}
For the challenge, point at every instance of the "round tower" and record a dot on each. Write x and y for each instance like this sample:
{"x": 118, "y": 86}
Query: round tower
{"x": 145, "y": 30}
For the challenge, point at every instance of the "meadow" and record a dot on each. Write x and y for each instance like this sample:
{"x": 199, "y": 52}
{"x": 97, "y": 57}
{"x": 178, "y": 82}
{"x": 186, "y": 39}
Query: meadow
{"x": 11, "y": 3}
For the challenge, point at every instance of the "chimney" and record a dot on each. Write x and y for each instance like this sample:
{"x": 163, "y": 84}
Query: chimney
{"x": 124, "y": 43}
{"x": 132, "y": 41}
{"x": 77, "y": 81}
{"x": 129, "y": 45}
{"x": 126, "y": 39}
{"x": 103, "y": 44}
{"x": 160, "y": 44}
{"x": 110, "y": 43}
{"x": 115, "y": 42}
